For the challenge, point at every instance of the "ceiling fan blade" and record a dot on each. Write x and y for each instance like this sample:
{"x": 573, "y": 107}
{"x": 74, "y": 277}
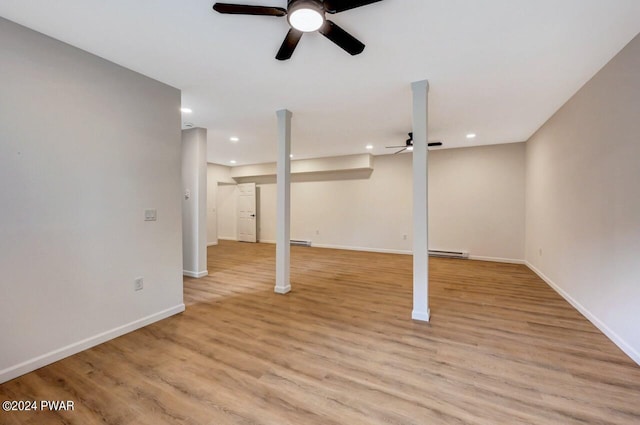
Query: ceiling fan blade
{"x": 434, "y": 144}
{"x": 241, "y": 9}
{"x": 391, "y": 147}
{"x": 337, "y": 6}
{"x": 342, "y": 38}
{"x": 289, "y": 44}
{"x": 401, "y": 150}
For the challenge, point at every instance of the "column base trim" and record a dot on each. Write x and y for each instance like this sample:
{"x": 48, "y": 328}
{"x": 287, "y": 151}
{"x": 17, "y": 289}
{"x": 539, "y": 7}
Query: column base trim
{"x": 422, "y": 316}
{"x": 282, "y": 290}
{"x": 195, "y": 274}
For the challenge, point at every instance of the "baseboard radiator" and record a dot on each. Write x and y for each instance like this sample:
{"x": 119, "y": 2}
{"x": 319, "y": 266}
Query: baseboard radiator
{"x": 298, "y": 242}
{"x": 449, "y": 254}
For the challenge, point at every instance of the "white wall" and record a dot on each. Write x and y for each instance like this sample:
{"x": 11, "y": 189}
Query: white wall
{"x": 476, "y": 199}
{"x": 85, "y": 147}
{"x": 216, "y": 175}
{"x": 371, "y": 213}
{"x": 227, "y": 211}
{"x": 583, "y": 200}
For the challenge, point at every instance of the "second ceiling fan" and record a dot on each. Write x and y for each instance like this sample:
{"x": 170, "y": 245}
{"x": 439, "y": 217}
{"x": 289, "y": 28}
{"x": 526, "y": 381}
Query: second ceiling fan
{"x": 408, "y": 146}
{"x": 305, "y": 16}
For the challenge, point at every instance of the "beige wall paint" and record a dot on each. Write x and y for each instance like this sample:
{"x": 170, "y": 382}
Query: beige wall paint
{"x": 583, "y": 200}
{"x": 216, "y": 175}
{"x": 352, "y": 213}
{"x": 76, "y": 175}
{"x": 477, "y": 200}
{"x": 227, "y": 211}
{"x": 476, "y": 204}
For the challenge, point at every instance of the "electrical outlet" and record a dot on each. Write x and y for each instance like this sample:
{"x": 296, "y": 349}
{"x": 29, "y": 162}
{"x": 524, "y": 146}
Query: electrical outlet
{"x": 404, "y": 237}
{"x": 317, "y": 232}
{"x": 540, "y": 252}
{"x": 138, "y": 284}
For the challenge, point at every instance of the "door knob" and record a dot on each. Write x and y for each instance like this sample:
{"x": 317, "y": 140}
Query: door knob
{"x": 253, "y": 215}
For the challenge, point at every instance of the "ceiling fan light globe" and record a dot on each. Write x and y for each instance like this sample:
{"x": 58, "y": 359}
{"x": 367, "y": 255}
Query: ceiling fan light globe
{"x": 306, "y": 16}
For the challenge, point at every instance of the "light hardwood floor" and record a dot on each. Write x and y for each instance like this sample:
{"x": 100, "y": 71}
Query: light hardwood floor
{"x": 502, "y": 348}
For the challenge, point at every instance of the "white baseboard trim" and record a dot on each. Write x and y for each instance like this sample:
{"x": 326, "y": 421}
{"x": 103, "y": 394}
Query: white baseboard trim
{"x": 362, "y": 248}
{"x": 195, "y": 274}
{"x": 421, "y": 315}
{"x": 222, "y": 238}
{"x": 401, "y": 251}
{"x": 212, "y": 244}
{"x": 71, "y": 349}
{"x": 350, "y": 248}
{"x": 496, "y": 259}
{"x": 614, "y": 337}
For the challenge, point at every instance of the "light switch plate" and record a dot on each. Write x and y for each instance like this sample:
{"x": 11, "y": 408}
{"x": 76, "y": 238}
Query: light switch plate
{"x": 138, "y": 284}
{"x": 150, "y": 215}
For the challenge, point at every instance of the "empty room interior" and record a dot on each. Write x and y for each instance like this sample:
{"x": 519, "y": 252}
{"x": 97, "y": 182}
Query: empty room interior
{"x": 320, "y": 212}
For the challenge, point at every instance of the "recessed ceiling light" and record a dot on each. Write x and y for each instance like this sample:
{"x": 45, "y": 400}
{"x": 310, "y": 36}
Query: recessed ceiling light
{"x": 186, "y": 110}
{"x": 306, "y": 16}
{"x": 410, "y": 149}
{"x": 234, "y": 139}
{"x": 369, "y": 147}
{"x": 233, "y": 161}
{"x": 471, "y": 136}
{"x": 290, "y": 155}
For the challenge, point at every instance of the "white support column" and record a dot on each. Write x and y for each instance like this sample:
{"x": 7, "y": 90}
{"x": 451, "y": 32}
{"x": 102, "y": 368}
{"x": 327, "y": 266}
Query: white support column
{"x": 283, "y": 247}
{"x": 194, "y": 202}
{"x": 420, "y": 200}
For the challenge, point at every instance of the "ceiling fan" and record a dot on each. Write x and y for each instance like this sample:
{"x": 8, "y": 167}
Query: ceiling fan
{"x": 408, "y": 146}
{"x": 305, "y": 16}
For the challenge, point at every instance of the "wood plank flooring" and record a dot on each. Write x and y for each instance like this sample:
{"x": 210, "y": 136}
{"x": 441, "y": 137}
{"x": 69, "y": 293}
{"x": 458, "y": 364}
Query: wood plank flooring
{"x": 502, "y": 348}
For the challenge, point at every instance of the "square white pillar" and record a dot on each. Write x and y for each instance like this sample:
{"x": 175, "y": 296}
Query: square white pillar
{"x": 194, "y": 202}
{"x": 283, "y": 176}
{"x": 420, "y": 202}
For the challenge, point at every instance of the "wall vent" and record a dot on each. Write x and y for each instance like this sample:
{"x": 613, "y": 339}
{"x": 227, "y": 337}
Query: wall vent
{"x": 298, "y": 242}
{"x": 448, "y": 254}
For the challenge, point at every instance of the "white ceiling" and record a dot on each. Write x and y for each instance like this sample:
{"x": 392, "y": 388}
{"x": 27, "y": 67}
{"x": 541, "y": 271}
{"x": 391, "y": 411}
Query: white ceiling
{"x": 498, "y": 68}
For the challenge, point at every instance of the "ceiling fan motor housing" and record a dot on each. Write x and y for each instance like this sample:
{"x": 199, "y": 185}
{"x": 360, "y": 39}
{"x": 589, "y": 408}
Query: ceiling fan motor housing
{"x": 311, "y": 9}
{"x": 317, "y": 4}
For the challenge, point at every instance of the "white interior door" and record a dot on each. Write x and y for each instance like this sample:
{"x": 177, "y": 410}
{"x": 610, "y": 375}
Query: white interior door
{"x": 247, "y": 212}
